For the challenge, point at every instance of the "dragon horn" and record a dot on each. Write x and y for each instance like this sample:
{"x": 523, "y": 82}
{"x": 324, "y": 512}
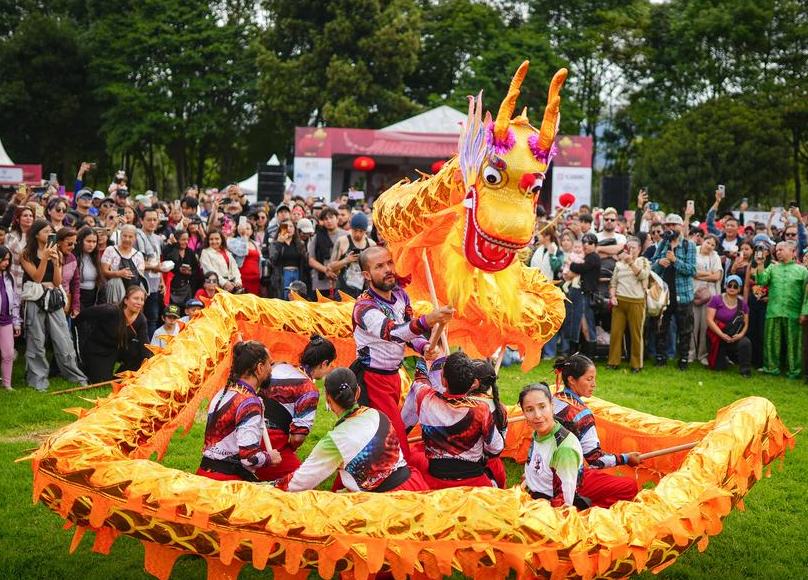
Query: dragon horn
{"x": 509, "y": 102}
{"x": 549, "y": 125}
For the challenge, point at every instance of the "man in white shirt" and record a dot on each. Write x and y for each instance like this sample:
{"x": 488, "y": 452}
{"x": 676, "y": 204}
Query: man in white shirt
{"x": 609, "y": 218}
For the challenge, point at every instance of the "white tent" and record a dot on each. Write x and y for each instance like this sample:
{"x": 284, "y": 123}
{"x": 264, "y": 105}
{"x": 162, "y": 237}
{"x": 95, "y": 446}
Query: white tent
{"x": 4, "y": 158}
{"x": 443, "y": 119}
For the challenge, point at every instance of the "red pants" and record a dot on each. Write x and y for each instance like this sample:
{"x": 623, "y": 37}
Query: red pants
{"x": 437, "y": 483}
{"x": 419, "y": 461}
{"x": 604, "y": 489}
{"x": 414, "y": 483}
{"x": 289, "y": 461}
{"x": 216, "y": 475}
{"x": 384, "y": 393}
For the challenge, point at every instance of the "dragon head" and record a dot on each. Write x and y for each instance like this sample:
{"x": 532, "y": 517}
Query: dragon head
{"x": 503, "y": 163}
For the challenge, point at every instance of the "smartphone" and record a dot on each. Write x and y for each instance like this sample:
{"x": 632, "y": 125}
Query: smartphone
{"x": 121, "y": 211}
{"x": 52, "y": 179}
{"x": 691, "y": 207}
{"x": 792, "y": 204}
{"x": 721, "y": 190}
{"x": 51, "y": 239}
{"x": 242, "y": 221}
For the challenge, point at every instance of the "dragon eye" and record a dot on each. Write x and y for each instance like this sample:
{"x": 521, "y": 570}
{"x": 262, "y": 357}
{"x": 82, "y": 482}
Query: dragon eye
{"x": 492, "y": 175}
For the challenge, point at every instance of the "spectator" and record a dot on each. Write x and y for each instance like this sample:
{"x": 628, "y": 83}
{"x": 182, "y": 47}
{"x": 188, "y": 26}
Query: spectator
{"x": 216, "y": 258}
{"x": 248, "y": 257}
{"x": 181, "y": 284}
{"x": 44, "y": 314}
{"x": 786, "y": 283}
{"x": 706, "y": 284}
{"x": 282, "y": 214}
{"x": 150, "y": 244}
{"x": 122, "y": 266}
{"x": 260, "y": 227}
{"x": 103, "y": 240}
{"x": 589, "y": 271}
{"x": 728, "y": 240}
{"x": 728, "y": 321}
{"x": 10, "y": 322}
{"x": 55, "y": 213}
{"x": 17, "y": 239}
{"x": 191, "y": 308}
{"x": 89, "y": 267}
{"x": 742, "y": 260}
{"x": 298, "y": 213}
{"x": 757, "y": 297}
{"x": 171, "y": 326}
{"x": 210, "y": 286}
{"x": 548, "y": 258}
{"x": 71, "y": 280}
{"x": 585, "y": 219}
{"x": 627, "y": 293}
{"x": 573, "y": 305}
{"x": 344, "y": 217}
{"x": 675, "y": 262}
{"x": 610, "y": 242}
{"x": 320, "y": 248}
{"x": 288, "y": 258}
{"x": 196, "y": 235}
{"x": 345, "y": 256}
{"x": 114, "y": 333}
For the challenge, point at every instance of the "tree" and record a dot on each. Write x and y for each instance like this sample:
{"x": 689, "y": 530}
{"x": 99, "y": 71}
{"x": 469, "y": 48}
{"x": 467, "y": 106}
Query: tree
{"x": 46, "y": 95}
{"x": 341, "y": 63}
{"x": 726, "y": 140}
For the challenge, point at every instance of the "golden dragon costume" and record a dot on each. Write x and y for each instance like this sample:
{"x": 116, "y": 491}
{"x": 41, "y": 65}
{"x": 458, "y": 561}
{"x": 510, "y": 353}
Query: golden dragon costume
{"x": 97, "y": 472}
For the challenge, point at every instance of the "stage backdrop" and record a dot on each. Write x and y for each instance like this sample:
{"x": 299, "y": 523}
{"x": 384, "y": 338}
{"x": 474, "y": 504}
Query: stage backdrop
{"x": 572, "y": 169}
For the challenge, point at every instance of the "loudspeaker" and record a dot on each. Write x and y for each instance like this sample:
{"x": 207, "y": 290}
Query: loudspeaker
{"x": 615, "y": 192}
{"x": 271, "y": 183}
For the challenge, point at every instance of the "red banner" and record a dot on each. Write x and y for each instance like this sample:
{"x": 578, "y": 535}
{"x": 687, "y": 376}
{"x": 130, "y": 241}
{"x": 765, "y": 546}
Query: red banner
{"x": 16, "y": 174}
{"x": 330, "y": 141}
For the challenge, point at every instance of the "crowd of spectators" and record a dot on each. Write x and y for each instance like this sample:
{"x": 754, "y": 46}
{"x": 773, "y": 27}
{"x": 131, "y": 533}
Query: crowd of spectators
{"x": 99, "y": 274}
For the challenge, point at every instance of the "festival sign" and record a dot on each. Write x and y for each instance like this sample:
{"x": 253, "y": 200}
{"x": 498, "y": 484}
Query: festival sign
{"x": 16, "y": 174}
{"x": 572, "y": 170}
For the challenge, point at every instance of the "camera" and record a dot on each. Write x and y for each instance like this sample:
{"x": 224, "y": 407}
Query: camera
{"x": 668, "y": 235}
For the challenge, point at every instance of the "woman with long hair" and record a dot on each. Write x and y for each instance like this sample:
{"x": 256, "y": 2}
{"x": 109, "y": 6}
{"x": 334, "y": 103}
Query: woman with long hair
{"x": 10, "y": 322}
{"x": 103, "y": 241}
{"x": 627, "y": 295}
{"x": 114, "y": 333}
{"x": 66, "y": 242}
{"x": 757, "y": 297}
{"x": 55, "y": 212}
{"x": 196, "y": 235}
{"x": 555, "y": 459}
{"x": 248, "y": 257}
{"x": 91, "y": 278}
{"x": 287, "y": 258}
{"x": 186, "y": 267}
{"x": 235, "y": 427}
{"x": 217, "y": 258}
{"x": 16, "y": 240}
{"x": 362, "y": 446}
{"x": 290, "y": 404}
{"x": 577, "y": 374}
{"x": 44, "y": 314}
{"x": 706, "y": 284}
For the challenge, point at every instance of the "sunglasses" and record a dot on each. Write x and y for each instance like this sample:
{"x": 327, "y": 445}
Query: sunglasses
{"x": 211, "y": 281}
{"x": 791, "y": 234}
{"x": 59, "y": 210}
{"x": 733, "y": 285}
{"x": 610, "y": 219}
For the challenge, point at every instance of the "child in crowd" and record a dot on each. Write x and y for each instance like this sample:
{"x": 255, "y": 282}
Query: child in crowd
{"x": 209, "y": 289}
{"x": 576, "y": 256}
{"x": 191, "y": 307}
{"x": 171, "y": 326}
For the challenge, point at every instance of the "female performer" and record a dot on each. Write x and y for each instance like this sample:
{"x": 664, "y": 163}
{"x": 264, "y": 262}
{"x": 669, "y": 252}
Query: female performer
{"x": 236, "y": 419}
{"x": 555, "y": 460}
{"x": 290, "y": 402}
{"x": 578, "y": 375}
{"x": 363, "y": 446}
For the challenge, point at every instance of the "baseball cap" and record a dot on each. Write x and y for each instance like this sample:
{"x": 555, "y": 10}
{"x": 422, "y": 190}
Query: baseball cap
{"x": 172, "y": 311}
{"x": 194, "y": 303}
{"x": 304, "y": 226}
{"x": 99, "y": 195}
{"x": 283, "y": 207}
{"x": 359, "y": 221}
{"x": 734, "y": 278}
{"x": 674, "y": 219}
{"x": 84, "y": 192}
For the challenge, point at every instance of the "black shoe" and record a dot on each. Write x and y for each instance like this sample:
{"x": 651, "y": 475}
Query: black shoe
{"x": 661, "y": 362}
{"x": 612, "y": 367}
{"x": 635, "y": 371}
{"x": 682, "y": 365}
{"x": 747, "y": 374}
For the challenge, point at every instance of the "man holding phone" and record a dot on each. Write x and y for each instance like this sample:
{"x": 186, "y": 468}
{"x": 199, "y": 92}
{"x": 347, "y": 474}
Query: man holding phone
{"x": 728, "y": 240}
{"x": 345, "y": 256}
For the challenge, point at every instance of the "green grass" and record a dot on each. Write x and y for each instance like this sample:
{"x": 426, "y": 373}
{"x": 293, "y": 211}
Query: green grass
{"x": 768, "y": 540}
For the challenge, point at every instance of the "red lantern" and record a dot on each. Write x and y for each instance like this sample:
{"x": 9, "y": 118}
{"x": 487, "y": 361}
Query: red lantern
{"x": 566, "y": 199}
{"x": 364, "y": 163}
{"x": 437, "y": 165}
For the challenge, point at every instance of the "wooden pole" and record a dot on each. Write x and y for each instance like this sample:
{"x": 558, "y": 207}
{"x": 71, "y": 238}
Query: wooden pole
{"x": 265, "y": 437}
{"x": 431, "y": 283}
{"x": 500, "y": 358}
{"x": 84, "y": 388}
{"x": 667, "y": 450}
{"x": 437, "y": 332}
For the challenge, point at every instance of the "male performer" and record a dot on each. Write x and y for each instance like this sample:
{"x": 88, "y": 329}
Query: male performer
{"x": 383, "y": 325}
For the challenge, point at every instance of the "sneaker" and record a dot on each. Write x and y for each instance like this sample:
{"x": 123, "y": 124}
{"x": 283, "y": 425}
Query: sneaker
{"x": 661, "y": 362}
{"x": 635, "y": 371}
{"x": 682, "y": 365}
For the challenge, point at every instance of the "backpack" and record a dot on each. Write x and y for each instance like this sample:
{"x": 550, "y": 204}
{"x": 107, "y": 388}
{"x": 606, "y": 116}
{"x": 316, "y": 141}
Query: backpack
{"x": 657, "y": 295}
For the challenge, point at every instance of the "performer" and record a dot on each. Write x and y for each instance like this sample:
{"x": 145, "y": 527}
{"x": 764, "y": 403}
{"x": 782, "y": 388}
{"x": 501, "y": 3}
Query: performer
{"x": 235, "y": 419}
{"x": 578, "y": 375}
{"x": 290, "y": 402}
{"x": 485, "y": 389}
{"x": 555, "y": 460}
{"x": 787, "y": 301}
{"x": 363, "y": 446}
{"x": 383, "y": 325}
{"x": 459, "y": 432}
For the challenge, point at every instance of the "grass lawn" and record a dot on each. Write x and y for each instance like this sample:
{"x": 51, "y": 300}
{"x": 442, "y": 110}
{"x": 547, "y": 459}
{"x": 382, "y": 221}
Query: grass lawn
{"x": 768, "y": 540}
